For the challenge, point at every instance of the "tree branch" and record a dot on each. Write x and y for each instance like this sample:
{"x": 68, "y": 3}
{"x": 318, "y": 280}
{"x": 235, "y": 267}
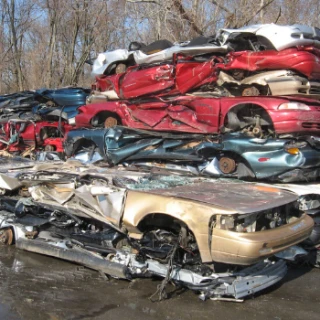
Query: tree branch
{"x": 221, "y": 6}
{"x": 259, "y": 10}
{"x": 184, "y": 14}
{"x": 144, "y": 1}
{"x": 279, "y": 15}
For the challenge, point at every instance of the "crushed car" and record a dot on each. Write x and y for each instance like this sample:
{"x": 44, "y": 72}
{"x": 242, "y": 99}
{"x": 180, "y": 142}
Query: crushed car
{"x": 60, "y": 103}
{"x": 183, "y": 76}
{"x": 242, "y": 73}
{"x": 43, "y": 104}
{"x": 256, "y": 116}
{"x": 261, "y": 37}
{"x": 230, "y": 155}
{"x": 26, "y": 137}
{"x": 156, "y": 52}
{"x": 17, "y": 105}
{"x": 248, "y": 61}
{"x": 130, "y": 225}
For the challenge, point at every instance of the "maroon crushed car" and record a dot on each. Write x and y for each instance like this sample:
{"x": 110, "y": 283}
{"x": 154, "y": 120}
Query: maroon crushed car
{"x": 194, "y": 114}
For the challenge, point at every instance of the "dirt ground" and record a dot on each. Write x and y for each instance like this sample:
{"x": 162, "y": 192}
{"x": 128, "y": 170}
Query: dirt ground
{"x": 38, "y": 287}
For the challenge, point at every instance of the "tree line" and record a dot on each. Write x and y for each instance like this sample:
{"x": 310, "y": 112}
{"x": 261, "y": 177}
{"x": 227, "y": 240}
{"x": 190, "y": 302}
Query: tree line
{"x": 45, "y": 43}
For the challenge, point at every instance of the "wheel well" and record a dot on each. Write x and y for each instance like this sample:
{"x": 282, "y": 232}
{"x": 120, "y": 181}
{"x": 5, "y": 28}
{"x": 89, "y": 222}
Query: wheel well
{"x": 166, "y": 222}
{"x": 160, "y": 220}
{"x": 82, "y": 143}
{"x": 245, "y": 114}
{"x": 99, "y": 119}
{"x": 241, "y": 90}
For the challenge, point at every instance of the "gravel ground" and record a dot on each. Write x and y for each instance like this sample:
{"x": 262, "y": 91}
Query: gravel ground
{"x": 38, "y": 287}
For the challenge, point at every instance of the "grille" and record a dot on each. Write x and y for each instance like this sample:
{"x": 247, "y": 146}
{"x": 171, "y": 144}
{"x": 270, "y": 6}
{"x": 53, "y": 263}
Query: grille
{"x": 311, "y": 125}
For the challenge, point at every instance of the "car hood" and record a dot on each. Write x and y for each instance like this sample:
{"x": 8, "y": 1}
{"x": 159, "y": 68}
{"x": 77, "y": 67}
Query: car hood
{"x": 241, "y": 197}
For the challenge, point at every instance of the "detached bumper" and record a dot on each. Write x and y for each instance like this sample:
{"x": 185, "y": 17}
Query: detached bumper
{"x": 248, "y": 248}
{"x": 259, "y": 277}
{"x": 247, "y": 282}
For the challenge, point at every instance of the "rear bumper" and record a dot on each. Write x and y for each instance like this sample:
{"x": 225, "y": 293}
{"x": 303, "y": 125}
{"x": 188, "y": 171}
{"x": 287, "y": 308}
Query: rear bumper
{"x": 248, "y": 248}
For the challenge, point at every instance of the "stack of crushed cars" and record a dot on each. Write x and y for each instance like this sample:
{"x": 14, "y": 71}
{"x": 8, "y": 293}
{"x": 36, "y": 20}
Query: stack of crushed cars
{"x": 197, "y": 162}
{"x": 34, "y": 121}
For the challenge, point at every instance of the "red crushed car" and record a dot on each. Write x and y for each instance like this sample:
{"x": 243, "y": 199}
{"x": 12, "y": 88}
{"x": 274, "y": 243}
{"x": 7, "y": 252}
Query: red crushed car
{"x": 20, "y": 136}
{"x": 162, "y": 79}
{"x": 305, "y": 60}
{"x": 186, "y": 75}
{"x": 194, "y": 114}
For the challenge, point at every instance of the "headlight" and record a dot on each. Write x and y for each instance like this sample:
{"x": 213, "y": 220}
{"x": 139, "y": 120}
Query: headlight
{"x": 293, "y": 106}
{"x": 227, "y": 222}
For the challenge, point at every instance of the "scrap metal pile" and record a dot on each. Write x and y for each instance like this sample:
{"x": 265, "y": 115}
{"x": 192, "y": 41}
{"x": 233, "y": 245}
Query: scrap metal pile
{"x": 142, "y": 184}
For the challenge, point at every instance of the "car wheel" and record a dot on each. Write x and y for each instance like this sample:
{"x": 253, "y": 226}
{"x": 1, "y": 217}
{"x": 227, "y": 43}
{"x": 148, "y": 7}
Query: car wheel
{"x": 110, "y": 122}
{"x": 250, "y": 91}
{"x": 6, "y": 236}
{"x": 227, "y": 165}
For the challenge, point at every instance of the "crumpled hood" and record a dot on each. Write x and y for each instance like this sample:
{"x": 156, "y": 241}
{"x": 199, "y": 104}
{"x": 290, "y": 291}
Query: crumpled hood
{"x": 237, "y": 196}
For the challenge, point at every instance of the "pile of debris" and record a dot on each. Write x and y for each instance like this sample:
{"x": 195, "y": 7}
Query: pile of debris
{"x": 137, "y": 198}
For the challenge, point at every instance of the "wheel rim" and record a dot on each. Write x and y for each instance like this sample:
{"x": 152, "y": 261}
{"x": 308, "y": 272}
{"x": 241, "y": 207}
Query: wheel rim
{"x": 251, "y": 91}
{"x": 227, "y": 165}
{"x": 110, "y": 122}
{"x": 6, "y": 236}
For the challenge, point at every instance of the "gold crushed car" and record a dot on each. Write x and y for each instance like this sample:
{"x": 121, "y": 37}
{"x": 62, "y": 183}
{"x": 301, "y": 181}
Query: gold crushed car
{"x": 212, "y": 236}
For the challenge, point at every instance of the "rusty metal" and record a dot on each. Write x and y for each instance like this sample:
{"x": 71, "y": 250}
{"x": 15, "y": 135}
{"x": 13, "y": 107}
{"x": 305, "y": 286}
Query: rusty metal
{"x": 24, "y": 192}
{"x": 31, "y": 234}
{"x": 49, "y": 148}
{"x": 121, "y": 68}
{"x": 257, "y": 132}
{"x": 110, "y": 122}
{"x": 6, "y": 236}
{"x": 227, "y": 165}
{"x": 250, "y": 92}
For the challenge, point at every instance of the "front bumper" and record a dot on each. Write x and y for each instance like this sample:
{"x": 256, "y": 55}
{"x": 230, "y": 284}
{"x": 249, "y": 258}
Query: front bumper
{"x": 249, "y": 281}
{"x": 293, "y": 85}
{"x": 298, "y": 175}
{"x": 225, "y": 286}
{"x": 248, "y": 248}
{"x": 296, "y": 121}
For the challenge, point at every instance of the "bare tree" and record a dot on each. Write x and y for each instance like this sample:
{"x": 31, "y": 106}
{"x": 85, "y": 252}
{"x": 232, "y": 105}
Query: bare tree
{"x": 46, "y": 43}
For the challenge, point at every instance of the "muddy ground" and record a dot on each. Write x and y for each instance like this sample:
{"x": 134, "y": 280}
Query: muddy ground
{"x": 38, "y": 287}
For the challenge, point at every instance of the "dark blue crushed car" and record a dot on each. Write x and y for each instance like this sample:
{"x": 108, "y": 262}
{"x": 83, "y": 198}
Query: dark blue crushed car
{"x": 231, "y": 155}
{"x": 69, "y": 96}
{"x": 43, "y": 104}
{"x": 17, "y": 105}
{"x": 66, "y": 100}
